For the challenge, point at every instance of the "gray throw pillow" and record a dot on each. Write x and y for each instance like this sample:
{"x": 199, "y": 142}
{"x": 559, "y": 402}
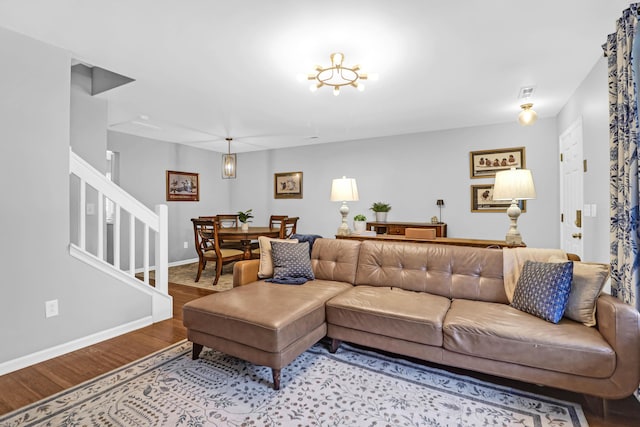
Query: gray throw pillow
{"x": 543, "y": 289}
{"x": 291, "y": 260}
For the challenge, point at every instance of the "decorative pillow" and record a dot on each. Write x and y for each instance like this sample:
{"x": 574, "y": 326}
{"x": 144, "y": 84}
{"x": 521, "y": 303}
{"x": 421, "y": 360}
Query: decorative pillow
{"x": 291, "y": 261}
{"x": 266, "y": 262}
{"x": 588, "y": 281}
{"x": 586, "y": 286}
{"x": 543, "y": 289}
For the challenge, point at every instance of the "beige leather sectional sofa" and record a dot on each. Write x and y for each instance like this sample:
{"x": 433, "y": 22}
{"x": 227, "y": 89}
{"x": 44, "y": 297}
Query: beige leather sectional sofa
{"x": 439, "y": 303}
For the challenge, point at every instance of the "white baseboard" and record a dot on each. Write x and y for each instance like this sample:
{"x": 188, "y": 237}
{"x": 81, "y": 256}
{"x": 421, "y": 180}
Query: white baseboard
{"x": 59, "y": 350}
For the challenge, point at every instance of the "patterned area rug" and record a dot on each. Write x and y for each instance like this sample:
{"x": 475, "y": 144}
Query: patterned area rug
{"x": 351, "y": 387}
{"x": 186, "y": 275}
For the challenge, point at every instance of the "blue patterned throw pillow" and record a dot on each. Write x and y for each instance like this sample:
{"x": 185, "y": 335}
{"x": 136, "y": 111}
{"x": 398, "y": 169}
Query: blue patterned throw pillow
{"x": 543, "y": 289}
{"x": 291, "y": 262}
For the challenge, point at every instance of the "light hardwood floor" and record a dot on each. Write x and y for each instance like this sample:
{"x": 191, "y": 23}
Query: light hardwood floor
{"x": 36, "y": 382}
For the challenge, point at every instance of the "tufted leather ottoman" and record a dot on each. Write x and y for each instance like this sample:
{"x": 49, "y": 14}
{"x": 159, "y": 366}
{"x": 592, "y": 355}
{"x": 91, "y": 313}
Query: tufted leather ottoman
{"x": 264, "y": 323}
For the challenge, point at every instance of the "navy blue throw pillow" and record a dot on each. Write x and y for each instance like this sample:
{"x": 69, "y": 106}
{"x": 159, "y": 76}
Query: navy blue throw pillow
{"x": 543, "y": 289}
{"x": 291, "y": 261}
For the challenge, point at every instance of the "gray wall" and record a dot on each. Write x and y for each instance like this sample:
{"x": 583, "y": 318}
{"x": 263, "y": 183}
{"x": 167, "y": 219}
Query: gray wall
{"x": 88, "y": 138}
{"x": 34, "y": 219}
{"x": 410, "y": 172}
{"x": 590, "y": 101}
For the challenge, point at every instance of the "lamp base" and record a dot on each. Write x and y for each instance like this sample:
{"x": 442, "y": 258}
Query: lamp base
{"x": 344, "y": 229}
{"x": 513, "y": 236}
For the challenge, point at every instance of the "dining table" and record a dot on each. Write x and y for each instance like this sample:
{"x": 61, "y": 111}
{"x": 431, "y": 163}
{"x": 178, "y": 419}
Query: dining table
{"x": 246, "y": 236}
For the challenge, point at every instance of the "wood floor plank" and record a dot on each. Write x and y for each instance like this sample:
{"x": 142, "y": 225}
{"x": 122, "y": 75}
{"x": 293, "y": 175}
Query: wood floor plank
{"x": 36, "y": 382}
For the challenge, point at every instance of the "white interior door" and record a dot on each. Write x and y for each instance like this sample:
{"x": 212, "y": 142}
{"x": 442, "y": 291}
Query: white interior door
{"x": 571, "y": 189}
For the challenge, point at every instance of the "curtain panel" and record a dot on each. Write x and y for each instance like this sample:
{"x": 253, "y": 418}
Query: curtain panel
{"x": 622, "y": 51}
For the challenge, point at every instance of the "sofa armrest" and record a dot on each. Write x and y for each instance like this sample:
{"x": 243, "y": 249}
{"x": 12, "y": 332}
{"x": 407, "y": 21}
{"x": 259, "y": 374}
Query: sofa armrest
{"x": 619, "y": 324}
{"x": 245, "y": 272}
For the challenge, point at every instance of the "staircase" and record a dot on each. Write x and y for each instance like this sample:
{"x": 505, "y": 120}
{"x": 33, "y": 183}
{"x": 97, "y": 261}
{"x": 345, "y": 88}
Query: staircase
{"x": 130, "y": 218}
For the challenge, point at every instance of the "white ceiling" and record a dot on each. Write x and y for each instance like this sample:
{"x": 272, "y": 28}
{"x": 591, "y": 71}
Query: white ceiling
{"x": 210, "y": 69}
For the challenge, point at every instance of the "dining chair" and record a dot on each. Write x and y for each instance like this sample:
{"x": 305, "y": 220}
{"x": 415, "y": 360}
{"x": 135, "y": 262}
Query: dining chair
{"x": 208, "y": 247}
{"x": 229, "y": 221}
{"x": 275, "y": 220}
{"x": 288, "y": 227}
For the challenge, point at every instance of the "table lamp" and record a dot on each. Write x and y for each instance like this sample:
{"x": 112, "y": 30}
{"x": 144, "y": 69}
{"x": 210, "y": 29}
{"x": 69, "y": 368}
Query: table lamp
{"x": 515, "y": 185}
{"x": 344, "y": 190}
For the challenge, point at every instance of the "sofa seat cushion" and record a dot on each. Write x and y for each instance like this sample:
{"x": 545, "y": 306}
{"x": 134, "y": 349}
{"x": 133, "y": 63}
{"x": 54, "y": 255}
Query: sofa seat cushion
{"x": 393, "y": 312}
{"x": 268, "y": 316}
{"x": 500, "y": 332}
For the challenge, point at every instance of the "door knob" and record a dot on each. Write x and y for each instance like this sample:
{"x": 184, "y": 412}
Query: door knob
{"x": 577, "y": 235}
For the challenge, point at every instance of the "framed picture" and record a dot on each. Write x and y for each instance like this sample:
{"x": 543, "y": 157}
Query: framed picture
{"x": 287, "y": 185}
{"x": 182, "y": 187}
{"x": 485, "y": 164}
{"x": 482, "y": 200}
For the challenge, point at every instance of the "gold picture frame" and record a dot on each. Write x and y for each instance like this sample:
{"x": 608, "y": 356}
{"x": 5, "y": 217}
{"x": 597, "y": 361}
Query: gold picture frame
{"x": 287, "y": 185}
{"x": 485, "y": 163}
{"x": 482, "y": 200}
{"x": 183, "y": 186}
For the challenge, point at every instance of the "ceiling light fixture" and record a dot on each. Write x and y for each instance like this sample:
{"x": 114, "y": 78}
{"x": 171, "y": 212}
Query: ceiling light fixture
{"x": 338, "y": 75}
{"x": 527, "y": 116}
{"x": 229, "y": 162}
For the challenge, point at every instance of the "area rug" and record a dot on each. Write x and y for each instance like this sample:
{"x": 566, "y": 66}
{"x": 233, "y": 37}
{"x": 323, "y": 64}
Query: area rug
{"x": 353, "y": 387}
{"x": 186, "y": 275}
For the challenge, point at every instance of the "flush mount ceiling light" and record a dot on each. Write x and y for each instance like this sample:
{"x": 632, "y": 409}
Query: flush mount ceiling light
{"x": 338, "y": 75}
{"x": 527, "y": 116}
{"x": 229, "y": 162}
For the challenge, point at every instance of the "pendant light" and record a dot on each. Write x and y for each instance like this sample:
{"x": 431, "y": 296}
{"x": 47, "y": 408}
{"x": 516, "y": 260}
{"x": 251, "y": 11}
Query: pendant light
{"x": 229, "y": 162}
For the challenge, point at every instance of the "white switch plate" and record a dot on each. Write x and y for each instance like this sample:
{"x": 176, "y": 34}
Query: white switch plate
{"x": 186, "y": 245}
{"x": 51, "y": 308}
{"x": 586, "y": 210}
{"x": 593, "y": 209}
{"x": 91, "y": 209}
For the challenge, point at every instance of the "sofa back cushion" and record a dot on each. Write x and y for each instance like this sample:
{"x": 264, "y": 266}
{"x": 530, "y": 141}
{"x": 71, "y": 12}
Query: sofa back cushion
{"x": 449, "y": 271}
{"x": 335, "y": 259}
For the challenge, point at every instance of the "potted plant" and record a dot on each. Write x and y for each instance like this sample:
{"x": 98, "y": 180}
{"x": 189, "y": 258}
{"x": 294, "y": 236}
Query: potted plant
{"x": 245, "y": 218}
{"x": 359, "y": 223}
{"x": 381, "y": 209}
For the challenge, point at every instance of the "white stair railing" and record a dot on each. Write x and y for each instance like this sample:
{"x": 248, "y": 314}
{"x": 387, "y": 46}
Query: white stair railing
{"x": 154, "y": 224}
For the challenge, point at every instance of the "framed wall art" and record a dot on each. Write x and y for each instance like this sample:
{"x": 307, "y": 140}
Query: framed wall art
{"x": 182, "y": 187}
{"x": 287, "y": 185}
{"x": 482, "y": 200}
{"x": 485, "y": 164}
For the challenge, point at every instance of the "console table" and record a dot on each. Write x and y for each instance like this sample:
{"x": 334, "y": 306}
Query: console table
{"x": 397, "y": 228}
{"x": 478, "y": 243}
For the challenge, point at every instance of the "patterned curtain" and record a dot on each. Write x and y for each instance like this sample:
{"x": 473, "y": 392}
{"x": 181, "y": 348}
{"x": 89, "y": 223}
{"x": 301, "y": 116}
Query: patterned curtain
{"x": 623, "y": 146}
{"x": 622, "y": 49}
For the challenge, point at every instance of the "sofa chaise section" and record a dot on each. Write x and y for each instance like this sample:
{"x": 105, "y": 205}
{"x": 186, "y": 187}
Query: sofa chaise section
{"x": 270, "y": 324}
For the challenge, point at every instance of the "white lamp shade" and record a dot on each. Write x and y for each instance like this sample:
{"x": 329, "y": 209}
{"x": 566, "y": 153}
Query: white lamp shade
{"x": 344, "y": 190}
{"x": 514, "y": 184}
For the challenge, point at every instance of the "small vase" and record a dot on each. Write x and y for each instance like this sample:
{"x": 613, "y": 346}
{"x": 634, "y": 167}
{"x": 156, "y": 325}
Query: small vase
{"x": 244, "y": 227}
{"x": 359, "y": 226}
{"x": 381, "y": 216}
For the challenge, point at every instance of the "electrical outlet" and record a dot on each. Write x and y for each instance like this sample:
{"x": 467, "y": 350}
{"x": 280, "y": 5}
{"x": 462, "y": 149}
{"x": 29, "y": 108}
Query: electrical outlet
{"x": 186, "y": 245}
{"x": 51, "y": 308}
{"x": 91, "y": 209}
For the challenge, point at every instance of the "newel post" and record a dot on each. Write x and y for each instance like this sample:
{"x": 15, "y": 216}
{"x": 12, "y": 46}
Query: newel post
{"x": 162, "y": 249}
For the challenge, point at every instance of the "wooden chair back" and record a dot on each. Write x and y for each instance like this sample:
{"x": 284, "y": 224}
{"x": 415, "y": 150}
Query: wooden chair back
{"x": 228, "y": 220}
{"x": 276, "y": 220}
{"x": 288, "y": 227}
